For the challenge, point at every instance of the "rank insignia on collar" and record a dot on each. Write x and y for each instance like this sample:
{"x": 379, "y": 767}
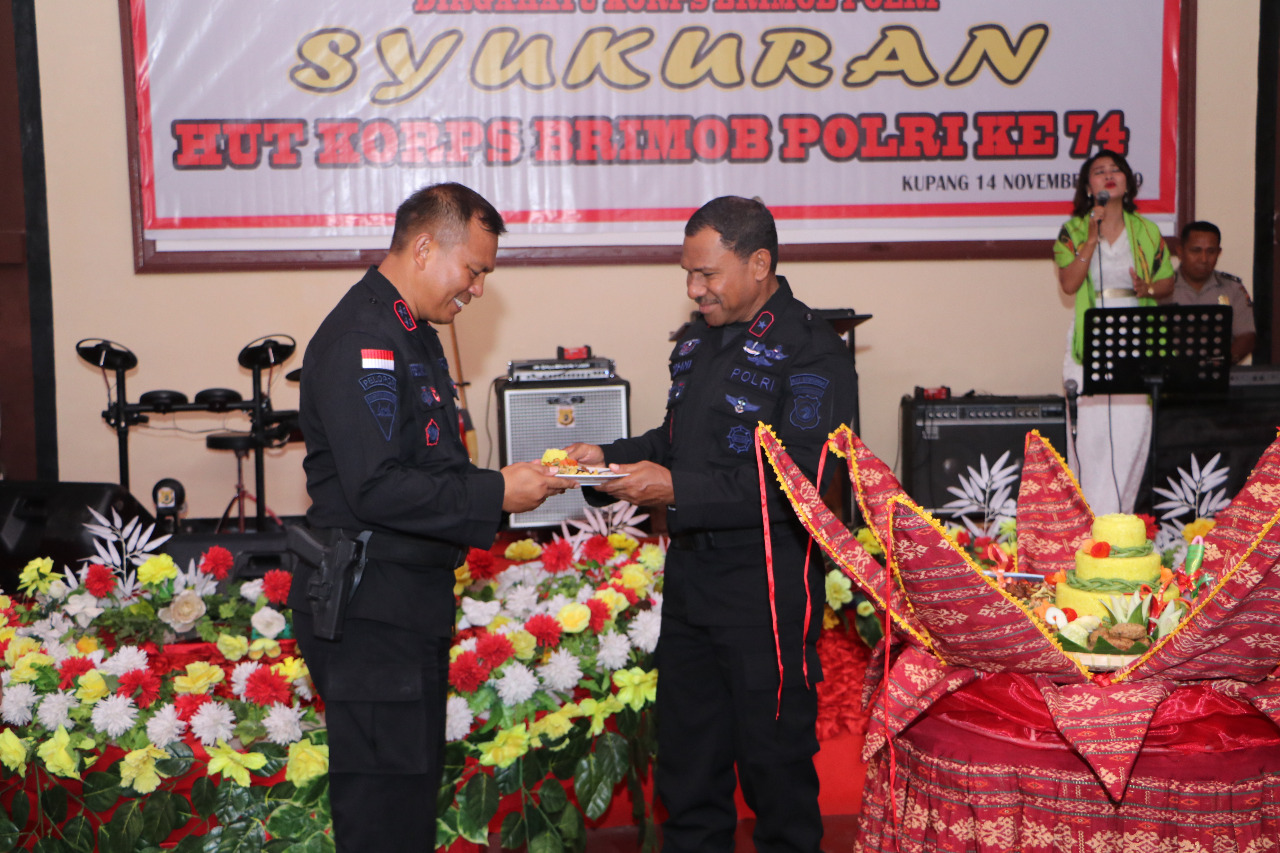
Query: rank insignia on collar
{"x": 762, "y": 323}
{"x": 689, "y": 345}
{"x": 405, "y": 316}
{"x": 741, "y": 404}
{"x": 739, "y": 439}
{"x": 433, "y": 433}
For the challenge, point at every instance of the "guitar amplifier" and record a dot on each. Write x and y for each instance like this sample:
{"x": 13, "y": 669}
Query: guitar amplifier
{"x": 537, "y": 415}
{"x": 560, "y": 369}
{"x": 943, "y": 439}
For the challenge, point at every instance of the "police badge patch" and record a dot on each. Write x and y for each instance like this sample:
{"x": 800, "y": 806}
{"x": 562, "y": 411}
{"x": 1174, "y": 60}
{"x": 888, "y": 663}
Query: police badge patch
{"x": 380, "y": 396}
{"x": 433, "y": 433}
{"x": 739, "y": 439}
{"x": 807, "y": 390}
{"x": 689, "y": 345}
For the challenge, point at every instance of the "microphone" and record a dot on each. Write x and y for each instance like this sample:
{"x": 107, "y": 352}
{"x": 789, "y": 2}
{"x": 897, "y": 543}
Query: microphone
{"x": 1072, "y": 388}
{"x": 1103, "y": 197}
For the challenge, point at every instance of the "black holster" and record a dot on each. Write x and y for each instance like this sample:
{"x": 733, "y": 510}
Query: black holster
{"x": 336, "y": 570}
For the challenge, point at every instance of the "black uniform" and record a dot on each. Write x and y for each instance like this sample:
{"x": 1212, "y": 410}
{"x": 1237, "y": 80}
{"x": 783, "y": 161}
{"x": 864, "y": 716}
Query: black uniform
{"x": 718, "y": 690}
{"x": 384, "y": 454}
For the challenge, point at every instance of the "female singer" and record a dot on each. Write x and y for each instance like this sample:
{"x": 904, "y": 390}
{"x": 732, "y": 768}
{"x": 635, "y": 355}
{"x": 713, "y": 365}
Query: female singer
{"x": 1108, "y": 256}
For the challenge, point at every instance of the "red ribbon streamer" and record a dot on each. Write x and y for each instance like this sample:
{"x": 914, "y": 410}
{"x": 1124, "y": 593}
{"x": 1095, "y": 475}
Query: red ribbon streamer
{"x": 768, "y": 566}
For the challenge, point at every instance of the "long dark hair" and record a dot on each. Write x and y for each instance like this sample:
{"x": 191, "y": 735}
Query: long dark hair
{"x": 1083, "y": 201}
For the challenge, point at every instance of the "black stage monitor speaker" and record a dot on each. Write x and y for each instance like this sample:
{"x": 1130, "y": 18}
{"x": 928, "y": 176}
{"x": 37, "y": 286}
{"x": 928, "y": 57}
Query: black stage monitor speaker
{"x": 943, "y": 439}
{"x": 537, "y": 415}
{"x": 46, "y": 519}
{"x": 254, "y": 553}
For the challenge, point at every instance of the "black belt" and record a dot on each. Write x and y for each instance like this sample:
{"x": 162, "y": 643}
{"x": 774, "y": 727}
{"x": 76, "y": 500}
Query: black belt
{"x": 412, "y": 550}
{"x": 704, "y": 540}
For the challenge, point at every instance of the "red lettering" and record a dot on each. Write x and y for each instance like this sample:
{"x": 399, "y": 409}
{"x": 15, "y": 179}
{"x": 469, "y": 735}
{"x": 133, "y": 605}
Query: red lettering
{"x": 283, "y": 137}
{"x": 335, "y": 142}
{"x": 197, "y": 145}
{"x": 595, "y": 140}
{"x": 420, "y": 142}
{"x": 503, "y": 136}
{"x": 554, "y": 140}
{"x": 379, "y": 142}
{"x": 873, "y": 146}
{"x": 953, "y": 146}
{"x": 667, "y": 139}
{"x": 994, "y": 140}
{"x": 799, "y": 133}
{"x": 464, "y": 135}
{"x": 840, "y": 138}
{"x": 711, "y": 138}
{"x": 751, "y": 142}
{"x": 1039, "y": 132}
{"x": 1079, "y": 124}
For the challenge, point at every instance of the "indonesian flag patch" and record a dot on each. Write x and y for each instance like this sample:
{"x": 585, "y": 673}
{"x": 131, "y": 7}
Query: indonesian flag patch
{"x": 377, "y": 359}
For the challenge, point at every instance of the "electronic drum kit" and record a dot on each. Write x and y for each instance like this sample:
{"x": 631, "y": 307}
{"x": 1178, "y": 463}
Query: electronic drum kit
{"x": 268, "y": 427}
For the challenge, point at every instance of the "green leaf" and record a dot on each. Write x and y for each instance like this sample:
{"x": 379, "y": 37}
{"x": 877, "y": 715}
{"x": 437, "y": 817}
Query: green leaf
{"x": 612, "y": 755}
{"x": 552, "y": 797}
{"x": 241, "y": 836}
{"x": 101, "y": 791}
{"x": 289, "y": 821}
{"x": 316, "y": 844}
{"x": 179, "y": 761}
{"x": 572, "y": 829}
{"x": 477, "y": 804}
{"x": 8, "y": 835}
{"x": 190, "y": 844}
{"x": 236, "y": 803}
{"x": 592, "y": 786}
{"x": 512, "y": 834}
{"x": 50, "y": 845}
{"x": 126, "y": 825}
{"x": 565, "y": 759}
{"x": 508, "y": 778}
{"x": 546, "y": 842}
{"x": 20, "y": 809}
{"x": 77, "y": 834}
{"x": 534, "y": 768}
{"x": 446, "y": 828}
{"x": 53, "y": 802}
{"x": 313, "y": 792}
{"x": 162, "y": 813}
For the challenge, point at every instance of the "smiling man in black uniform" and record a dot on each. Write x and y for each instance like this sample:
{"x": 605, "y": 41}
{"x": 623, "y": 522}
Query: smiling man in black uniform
{"x": 756, "y": 353}
{"x": 385, "y": 457}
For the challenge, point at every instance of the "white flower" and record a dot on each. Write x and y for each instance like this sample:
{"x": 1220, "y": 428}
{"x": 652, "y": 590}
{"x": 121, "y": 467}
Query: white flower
{"x": 57, "y": 590}
{"x": 268, "y": 622}
{"x": 517, "y": 684}
{"x": 585, "y": 593}
{"x": 16, "y": 707}
{"x": 644, "y": 630}
{"x": 561, "y": 671}
{"x": 55, "y": 710}
{"x": 467, "y": 645}
{"x": 302, "y": 686}
{"x": 165, "y": 726}
{"x": 458, "y": 719}
{"x": 82, "y": 607}
{"x": 50, "y": 630}
{"x": 240, "y": 676}
{"x": 283, "y": 724}
{"x": 521, "y": 601}
{"x": 114, "y": 715}
{"x": 478, "y": 614}
{"x": 184, "y": 611}
{"x": 614, "y": 650}
{"x": 250, "y": 590}
{"x": 126, "y": 659}
{"x": 194, "y": 579}
{"x": 213, "y": 721}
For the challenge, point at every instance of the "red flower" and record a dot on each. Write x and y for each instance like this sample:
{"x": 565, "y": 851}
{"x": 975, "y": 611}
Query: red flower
{"x": 217, "y": 561}
{"x": 597, "y": 550}
{"x": 494, "y": 650}
{"x": 545, "y": 629}
{"x": 981, "y": 543}
{"x": 99, "y": 580}
{"x": 482, "y": 565}
{"x": 143, "y": 684}
{"x": 275, "y": 585}
{"x": 71, "y": 669}
{"x": 599, "y": 614}
{"x": 187, "y": 704}
{"x": 557, "y": 556}
{"x": 1152, "y": 527}
{"x": 962, "y": 538}
{"x": 629, "y": 594}
{"x": 265, "y": 687}
{"x": 1100, "y": 549}
{"x": 467, "y": 673}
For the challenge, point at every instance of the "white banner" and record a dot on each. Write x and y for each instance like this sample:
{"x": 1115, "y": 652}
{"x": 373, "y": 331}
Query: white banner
{"x": 293, "y": 124}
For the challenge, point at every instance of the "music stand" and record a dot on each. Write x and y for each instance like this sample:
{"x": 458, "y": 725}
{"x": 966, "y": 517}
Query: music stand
{"x": 1178, "y": 349}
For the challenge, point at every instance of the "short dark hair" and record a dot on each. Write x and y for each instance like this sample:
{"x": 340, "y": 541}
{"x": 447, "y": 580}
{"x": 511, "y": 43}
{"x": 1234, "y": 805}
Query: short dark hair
{"x": 1083, "y": 201}
{"x": 744, "y": 225}
{"x": 1200, "y": 225}
{"x": 445, "y": 210}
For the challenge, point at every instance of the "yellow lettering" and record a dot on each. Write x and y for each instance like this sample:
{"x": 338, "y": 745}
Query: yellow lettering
{"x": 795, "y": 53}
{"x": 503, "y": 60}
{"x": 326, "y": 60}
{"x": 604, "y": 52}
{"x": 989, "y": 43}
{"x": 899, "y": 53}
{"x": 689, "y": 61}
{"x": 409, "y": 74}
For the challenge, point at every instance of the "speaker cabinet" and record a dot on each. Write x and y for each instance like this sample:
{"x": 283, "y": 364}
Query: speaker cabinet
{"x": 943, "y": 439}
{"x": 537, "y": 415}
{"x": 254, "y": 553}
{"x": 41, "y": 518}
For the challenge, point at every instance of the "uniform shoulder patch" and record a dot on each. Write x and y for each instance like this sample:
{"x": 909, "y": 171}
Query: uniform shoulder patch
{"x": 807, "y": 390}
{"x": 1229, "y": 277}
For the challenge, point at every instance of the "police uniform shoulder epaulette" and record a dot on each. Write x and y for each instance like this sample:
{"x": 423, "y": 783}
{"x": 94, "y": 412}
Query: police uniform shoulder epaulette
{"x": 1229, "y": 277}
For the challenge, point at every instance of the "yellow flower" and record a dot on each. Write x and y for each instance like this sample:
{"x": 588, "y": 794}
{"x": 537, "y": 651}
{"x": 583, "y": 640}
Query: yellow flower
{"x": 509, "y": 745}
{"x": 600, "y": 711}
{"x": 865, "y": 608}
{"x": 570, "y": 710}
{"x": 869, "y": 542}
{"x": 549, "y": 728}
{"x": 138, "y": 769}
{"x": 5, "y": 602}
{"x": 233, "y": 647}
{"x": 263, "y": 646}
{"x": 461, "y": 578}
{"x": 636, "y": 578}
{"x": 157, "y": 570}
{"x": 19, "y": 647}
{"x": 523, "y": 551}
{"x": 525, "y": 644}
{"x": 1199, "y": 527}
{"x": 87, "y": 645}
{"x": 92, "y": 687}
{"x": 454, "y": 652}
{"x": 291, "y": 668}
{"x": 200, "y": 678}
{"x": 36, "y": 576}
{"x": 839, "y": 589}
{"x": 574, "y": 618}
{"x": 59, "y": 755}
{"x": 829, "y": 618}
{"x": 306, "y": 761}
{"x": 636, "y": 687}
{"x": 233, "y": 764}
{"x": 617, "y": 601}
{"x": 25, "y": 669}
{"x": 622, "y": 542}
{"x": 1010, "y": 548}
{"x": 652, "y": 557}
{"x": 14, "y": 751}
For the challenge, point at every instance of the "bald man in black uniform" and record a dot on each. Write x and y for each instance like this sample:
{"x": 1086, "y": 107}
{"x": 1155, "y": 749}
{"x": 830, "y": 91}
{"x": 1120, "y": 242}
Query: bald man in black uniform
{"x": 385, "y": 456}
{"x": 756, "y": 353}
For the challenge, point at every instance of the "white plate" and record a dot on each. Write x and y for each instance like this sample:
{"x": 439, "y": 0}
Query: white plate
{"x": 1103, "y": 663}
{"x": 592, "y": 476}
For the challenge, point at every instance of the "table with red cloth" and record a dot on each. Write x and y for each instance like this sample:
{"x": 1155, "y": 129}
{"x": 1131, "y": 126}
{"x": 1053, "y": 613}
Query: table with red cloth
{"x": 986, "y": 736}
